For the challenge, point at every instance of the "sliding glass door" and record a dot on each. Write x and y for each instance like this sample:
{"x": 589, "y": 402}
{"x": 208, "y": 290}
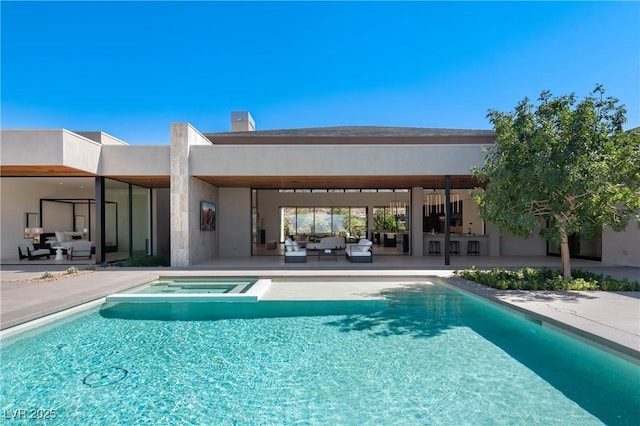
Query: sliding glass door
{"x": 127, "y": 220}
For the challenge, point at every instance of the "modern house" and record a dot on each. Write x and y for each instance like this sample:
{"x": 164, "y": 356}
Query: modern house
{"x": 240, "y": 193}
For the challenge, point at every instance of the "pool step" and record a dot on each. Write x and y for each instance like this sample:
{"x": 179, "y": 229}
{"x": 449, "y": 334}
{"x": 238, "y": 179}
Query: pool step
{"x": 239, "y": 293}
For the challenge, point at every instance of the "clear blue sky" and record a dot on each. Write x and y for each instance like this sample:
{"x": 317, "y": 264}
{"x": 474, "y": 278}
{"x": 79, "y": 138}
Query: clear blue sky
{"x": 130, "y": 69}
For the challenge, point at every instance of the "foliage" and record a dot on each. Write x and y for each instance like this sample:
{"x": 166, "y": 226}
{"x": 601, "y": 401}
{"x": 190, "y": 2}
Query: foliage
{"x": 72, "y": 270}
{"x": 546, "y": 279}
{"x": 383, "y": 221}
{"x": 142, "y": 259}
{"x": 568, "y": 163}
{"x": 46, "y": 274}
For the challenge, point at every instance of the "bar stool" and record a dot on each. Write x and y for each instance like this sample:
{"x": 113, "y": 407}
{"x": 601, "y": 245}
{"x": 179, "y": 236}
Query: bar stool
{"x": 454, "y": 248}
{"x": 473, "y": 248}
{"x": 434, "y": 248}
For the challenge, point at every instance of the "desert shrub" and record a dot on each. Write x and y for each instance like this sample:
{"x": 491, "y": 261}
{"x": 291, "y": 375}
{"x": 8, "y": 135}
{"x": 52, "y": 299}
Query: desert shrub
{"x": 546, "y": 279}
{"x": 142, "y": 259}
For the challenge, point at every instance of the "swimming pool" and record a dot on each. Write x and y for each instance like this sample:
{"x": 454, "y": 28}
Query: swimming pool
{"x": 424, "y": 354}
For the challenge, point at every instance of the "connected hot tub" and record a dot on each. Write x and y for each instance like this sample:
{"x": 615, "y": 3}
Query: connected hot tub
{"x": 196, "y": 289}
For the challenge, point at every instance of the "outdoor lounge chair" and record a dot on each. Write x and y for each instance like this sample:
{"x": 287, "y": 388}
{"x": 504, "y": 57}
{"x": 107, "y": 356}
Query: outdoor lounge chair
{"x": 359, "y": 253}
{"x": 79, "y": 249}
{"x": 26, "y": 250}
{"x": 293, "y": 253}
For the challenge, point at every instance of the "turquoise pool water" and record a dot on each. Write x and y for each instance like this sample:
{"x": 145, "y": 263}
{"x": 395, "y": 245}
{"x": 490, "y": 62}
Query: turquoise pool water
{"x": 425, "y": 355}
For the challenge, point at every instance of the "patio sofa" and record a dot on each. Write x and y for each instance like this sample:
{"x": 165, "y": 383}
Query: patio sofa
{"x": 293, "y": 253}
{"x": 327, "y": 243}
{"x": 359, "y": 253}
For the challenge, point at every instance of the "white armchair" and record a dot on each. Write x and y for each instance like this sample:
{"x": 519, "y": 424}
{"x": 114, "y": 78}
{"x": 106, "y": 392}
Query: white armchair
{"x": 360, "y": 253}
{"x": 26, "y": 250}
{"x": 79, "y": 248}
{"x": 293, "y": 253}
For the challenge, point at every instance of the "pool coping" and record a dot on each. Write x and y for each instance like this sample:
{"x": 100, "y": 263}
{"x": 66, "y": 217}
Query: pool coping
{"x": 591, "y": 335}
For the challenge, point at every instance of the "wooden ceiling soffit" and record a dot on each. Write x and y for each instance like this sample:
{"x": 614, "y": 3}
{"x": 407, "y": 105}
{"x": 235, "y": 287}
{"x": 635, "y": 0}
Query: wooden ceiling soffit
{"x": 42, "y": 171}
{"x": 336, "y": 182}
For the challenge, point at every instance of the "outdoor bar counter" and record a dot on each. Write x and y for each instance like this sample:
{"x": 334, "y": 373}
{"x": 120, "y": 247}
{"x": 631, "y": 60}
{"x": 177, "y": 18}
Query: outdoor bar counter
{"x": 463, "y": 239}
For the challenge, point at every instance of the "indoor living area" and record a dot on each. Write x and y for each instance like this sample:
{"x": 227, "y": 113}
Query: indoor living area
{"x": 383, "y": 216}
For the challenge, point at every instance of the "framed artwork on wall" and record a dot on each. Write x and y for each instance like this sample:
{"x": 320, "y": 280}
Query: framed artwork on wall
{"x": 207, "y": 216}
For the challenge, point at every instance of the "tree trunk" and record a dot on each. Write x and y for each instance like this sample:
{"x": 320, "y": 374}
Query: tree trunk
{"x": 564, "y": 253}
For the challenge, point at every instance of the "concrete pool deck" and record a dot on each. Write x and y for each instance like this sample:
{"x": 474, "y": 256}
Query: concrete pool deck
{"x": 609, "y": 319}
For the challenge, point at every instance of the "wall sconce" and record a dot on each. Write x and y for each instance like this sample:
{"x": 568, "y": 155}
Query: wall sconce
{"x": 84, "y": 233}
{"x": 27, "y": 233}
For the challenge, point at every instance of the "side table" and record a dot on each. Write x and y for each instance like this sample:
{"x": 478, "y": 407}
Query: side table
{"x": 59, "y": 252}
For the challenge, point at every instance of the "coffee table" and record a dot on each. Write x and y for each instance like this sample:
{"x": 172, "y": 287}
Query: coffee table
{"x": 328, "y": 253}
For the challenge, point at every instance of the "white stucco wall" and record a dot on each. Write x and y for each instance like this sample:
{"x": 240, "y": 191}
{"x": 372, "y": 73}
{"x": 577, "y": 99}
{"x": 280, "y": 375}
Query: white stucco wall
{"x": 516, "y": 246}
{"x": 234, "y": 222}
{"x": 101, "y": 137}
{"x": 119, "y": 160}
{"x": 622, "y": 248}
{"x": 203, "y": 244}
{"x": 49, "y": 147}
{"x": 339, "y": 160}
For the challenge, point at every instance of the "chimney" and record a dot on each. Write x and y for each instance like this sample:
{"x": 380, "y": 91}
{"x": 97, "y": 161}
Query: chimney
{"x": 241, "y": 121}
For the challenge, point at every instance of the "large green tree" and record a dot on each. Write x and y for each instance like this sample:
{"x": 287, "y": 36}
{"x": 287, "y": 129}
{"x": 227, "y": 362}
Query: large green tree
{"x": 564, "y": 161}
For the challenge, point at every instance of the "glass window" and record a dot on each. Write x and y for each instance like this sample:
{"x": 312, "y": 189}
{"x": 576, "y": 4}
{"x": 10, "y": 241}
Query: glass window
{"x": 358, "y": 222}
{"x": 304, "y": 221}
{"x": 340, "y": 221}
{"x": 140, "y": 220}
{"x": 383, "y": 219}
{"x": 322, "y": 221}
{"x": 288, "y": 222}
{"x": 116, "y": 221}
